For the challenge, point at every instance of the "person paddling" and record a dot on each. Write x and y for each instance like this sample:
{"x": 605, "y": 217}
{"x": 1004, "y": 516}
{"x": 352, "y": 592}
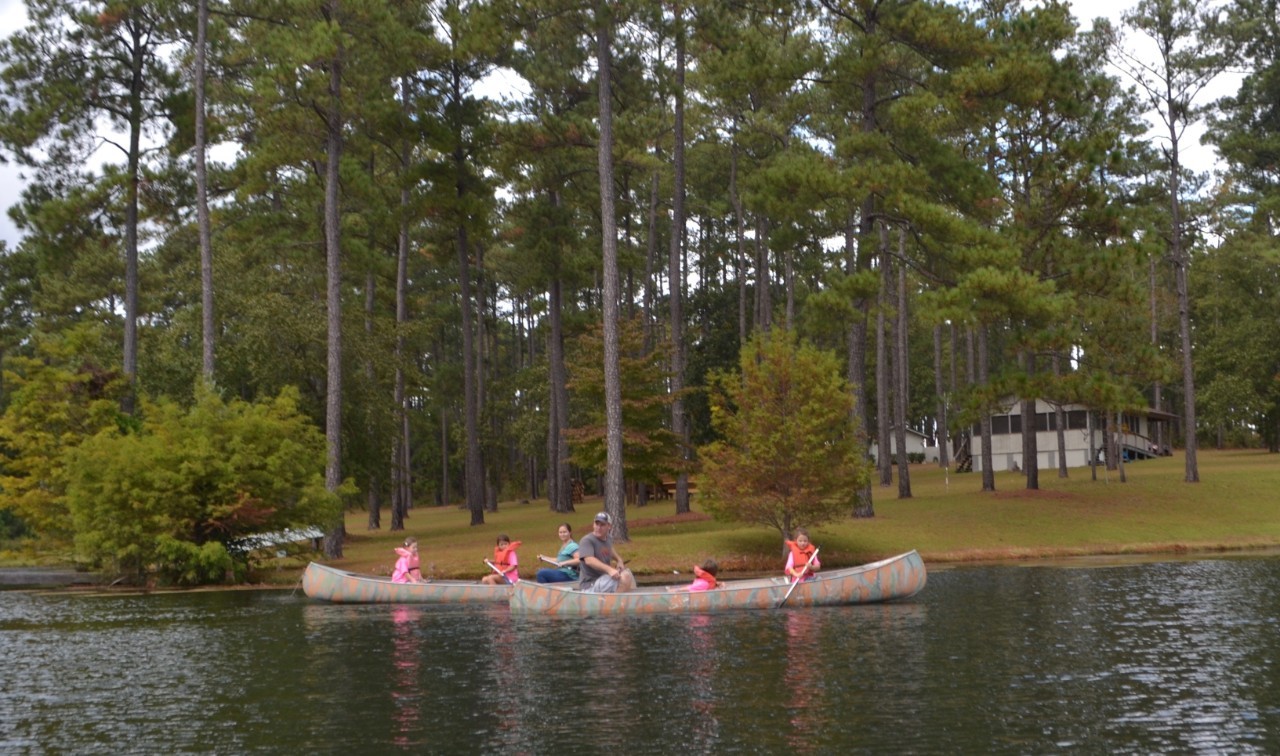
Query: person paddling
{"x": 801, "y": 557}
{"x": 596, "y": 560}
{"x": 566, "y": 561}
{"x": 504, "y": 563}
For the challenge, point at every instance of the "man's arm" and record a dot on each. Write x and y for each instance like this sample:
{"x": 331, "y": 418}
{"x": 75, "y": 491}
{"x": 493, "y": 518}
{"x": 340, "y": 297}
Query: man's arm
{"x": 594, "y": 562}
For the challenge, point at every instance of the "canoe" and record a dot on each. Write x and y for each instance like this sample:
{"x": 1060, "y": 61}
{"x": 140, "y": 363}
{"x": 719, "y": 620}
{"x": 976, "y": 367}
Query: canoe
{"x": 340, "y": 586}
{"x": 889, "y": 579}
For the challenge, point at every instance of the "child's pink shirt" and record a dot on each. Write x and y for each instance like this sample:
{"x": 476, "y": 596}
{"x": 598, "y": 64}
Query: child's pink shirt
{"x": 407, "y": 562}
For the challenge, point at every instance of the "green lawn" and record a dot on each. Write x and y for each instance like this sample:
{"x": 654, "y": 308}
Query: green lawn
{"x": 1235, "y": 506}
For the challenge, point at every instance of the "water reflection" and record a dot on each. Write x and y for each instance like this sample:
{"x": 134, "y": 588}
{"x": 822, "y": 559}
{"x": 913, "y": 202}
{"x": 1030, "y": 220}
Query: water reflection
{"x": 803, "y": 678}
{"x": 703, "y": 702}
{"x": 1164, "y": 657}
{"x": 406, "y": 695}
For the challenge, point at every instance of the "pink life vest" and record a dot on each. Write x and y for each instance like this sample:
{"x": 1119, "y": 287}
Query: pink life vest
{"x": 408, "y": 562}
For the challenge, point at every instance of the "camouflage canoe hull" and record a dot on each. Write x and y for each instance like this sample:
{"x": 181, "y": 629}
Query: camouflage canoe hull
{"x": 342, "y": 587}
{"x": 889, "y": 579}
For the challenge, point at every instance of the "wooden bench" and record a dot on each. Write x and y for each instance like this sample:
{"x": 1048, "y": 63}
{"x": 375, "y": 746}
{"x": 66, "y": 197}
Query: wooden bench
{"x": 668, "y": 487}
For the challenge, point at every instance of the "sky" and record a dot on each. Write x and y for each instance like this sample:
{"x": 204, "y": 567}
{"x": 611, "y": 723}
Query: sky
{"x": 1198, "y": 157}
{"x": 13, "y": 16}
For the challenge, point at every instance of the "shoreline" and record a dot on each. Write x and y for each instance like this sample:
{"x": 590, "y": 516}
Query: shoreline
{"x": 71, "y": 580}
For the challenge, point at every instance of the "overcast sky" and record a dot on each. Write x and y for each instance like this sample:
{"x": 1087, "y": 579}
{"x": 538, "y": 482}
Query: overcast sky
{"x": 13, "y": 16}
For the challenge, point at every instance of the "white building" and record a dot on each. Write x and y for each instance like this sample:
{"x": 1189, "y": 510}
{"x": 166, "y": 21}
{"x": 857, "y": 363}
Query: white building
{"x": 917, "y": 443}
{"x": 1083, "y": 435}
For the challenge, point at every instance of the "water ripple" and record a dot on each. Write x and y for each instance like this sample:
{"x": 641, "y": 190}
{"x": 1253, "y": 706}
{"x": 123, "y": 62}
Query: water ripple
{"x": 1177, "y": 657}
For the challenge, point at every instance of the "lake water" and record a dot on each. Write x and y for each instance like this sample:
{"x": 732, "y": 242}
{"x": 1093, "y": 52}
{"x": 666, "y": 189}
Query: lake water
{"x": 1177, "y": 657}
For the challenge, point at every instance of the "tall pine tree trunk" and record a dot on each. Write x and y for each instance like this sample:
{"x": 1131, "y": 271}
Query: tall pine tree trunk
{"x": 902, "y": 373}
{"x": 1119, "y": 435}
{"x": 940, "y": 434}
{"x": 489, "y": 487}
{"x": 1030, "y": 447}
{"x": 984, "y": 381}
{"x": 884, "y": 423}
{"x": 651, "y": 264}
{"x": 675, "y": 263}
{"x": 473, "y": 477}
{"x": 558, "y": 470}
{"x": 400, "y": 486}
{"x": 202, "y": 195}
{"x": 740, "y": 259}
{"x": 614, "y": 495}
{"x": 444, "y": 457}
{"x": 764, "y": 298}
{"x": 1060, "y": 421}
{"x": 1157, "y": 400}
{"x": 1181, "y": 263}
{"x": 134, "y": 159}
{"x": 373, "y": 485}
{"x": 855, "y": 370}
{"x": 333, "y": 271}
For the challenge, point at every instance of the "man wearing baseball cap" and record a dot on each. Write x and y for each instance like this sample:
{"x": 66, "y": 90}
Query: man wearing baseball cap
{"x": 595, "y": 551}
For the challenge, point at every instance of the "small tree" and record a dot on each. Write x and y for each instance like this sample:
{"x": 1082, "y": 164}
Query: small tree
{"x": 169, "y": 498}
{"x": 57, "y": 399}
{"x": 788, "y": 456}
{"x": 650, "y": 449}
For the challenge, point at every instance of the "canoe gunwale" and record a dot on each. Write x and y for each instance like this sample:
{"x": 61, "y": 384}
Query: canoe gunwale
{"x": 325, "y": 583}
{"x": 891, "y": 579}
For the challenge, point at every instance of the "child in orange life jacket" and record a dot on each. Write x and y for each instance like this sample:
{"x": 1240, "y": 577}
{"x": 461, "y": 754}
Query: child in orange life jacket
{"x": 406, "y": 569}
{"x": 504, "y": 560}
{"x": 798, "y": 553}
{"x": 704, "y": 577}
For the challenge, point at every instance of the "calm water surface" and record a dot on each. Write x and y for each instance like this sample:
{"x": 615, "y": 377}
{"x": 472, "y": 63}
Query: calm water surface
{"x": 1176, "y": 657}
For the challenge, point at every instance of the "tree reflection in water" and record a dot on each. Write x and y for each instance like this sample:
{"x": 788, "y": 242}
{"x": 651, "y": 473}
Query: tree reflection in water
{"x": 406, "y": 692}
{"x": 804, "y": 683}
{"x": 702, "y": 652}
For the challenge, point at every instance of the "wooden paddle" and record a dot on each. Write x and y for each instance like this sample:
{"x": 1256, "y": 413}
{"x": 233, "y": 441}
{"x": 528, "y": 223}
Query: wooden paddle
{"x": 812, "y": 557}
{"x": 494, "y": 567}
{"x": 626, "y": 578}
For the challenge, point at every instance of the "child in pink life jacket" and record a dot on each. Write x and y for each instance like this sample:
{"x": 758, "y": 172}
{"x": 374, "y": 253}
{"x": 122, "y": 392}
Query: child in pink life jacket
{"x": 504, "y": 560}
{"x": 406, "y": 569}
{"x": 798, "y": 553}
{"x": 704, "y": 577}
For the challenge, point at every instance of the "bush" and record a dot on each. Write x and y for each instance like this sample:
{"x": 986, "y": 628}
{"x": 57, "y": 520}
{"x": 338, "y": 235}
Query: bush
{"x": 12, "y": 526}
{"x": 56, "y": 400}
{"x": 201, "y": 477}
{"x": 185, "y": 563}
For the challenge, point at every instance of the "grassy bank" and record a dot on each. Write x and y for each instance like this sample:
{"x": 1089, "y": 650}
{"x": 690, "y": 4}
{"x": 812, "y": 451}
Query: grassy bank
{"x": 948, "y": 519}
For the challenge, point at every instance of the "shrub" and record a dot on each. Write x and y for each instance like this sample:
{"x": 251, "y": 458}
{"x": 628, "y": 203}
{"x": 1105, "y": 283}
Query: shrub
{"x": 185, "y": 563}
{"x": 56, "y": 400}
{"x": 12, "y": 526}
{"x": 204, "y": 477}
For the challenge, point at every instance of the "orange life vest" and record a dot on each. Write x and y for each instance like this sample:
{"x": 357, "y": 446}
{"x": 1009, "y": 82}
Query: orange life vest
{"x": 800, "y": 557}
{"x": 501, "y": 556}
{"x": 702, "y": 574}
